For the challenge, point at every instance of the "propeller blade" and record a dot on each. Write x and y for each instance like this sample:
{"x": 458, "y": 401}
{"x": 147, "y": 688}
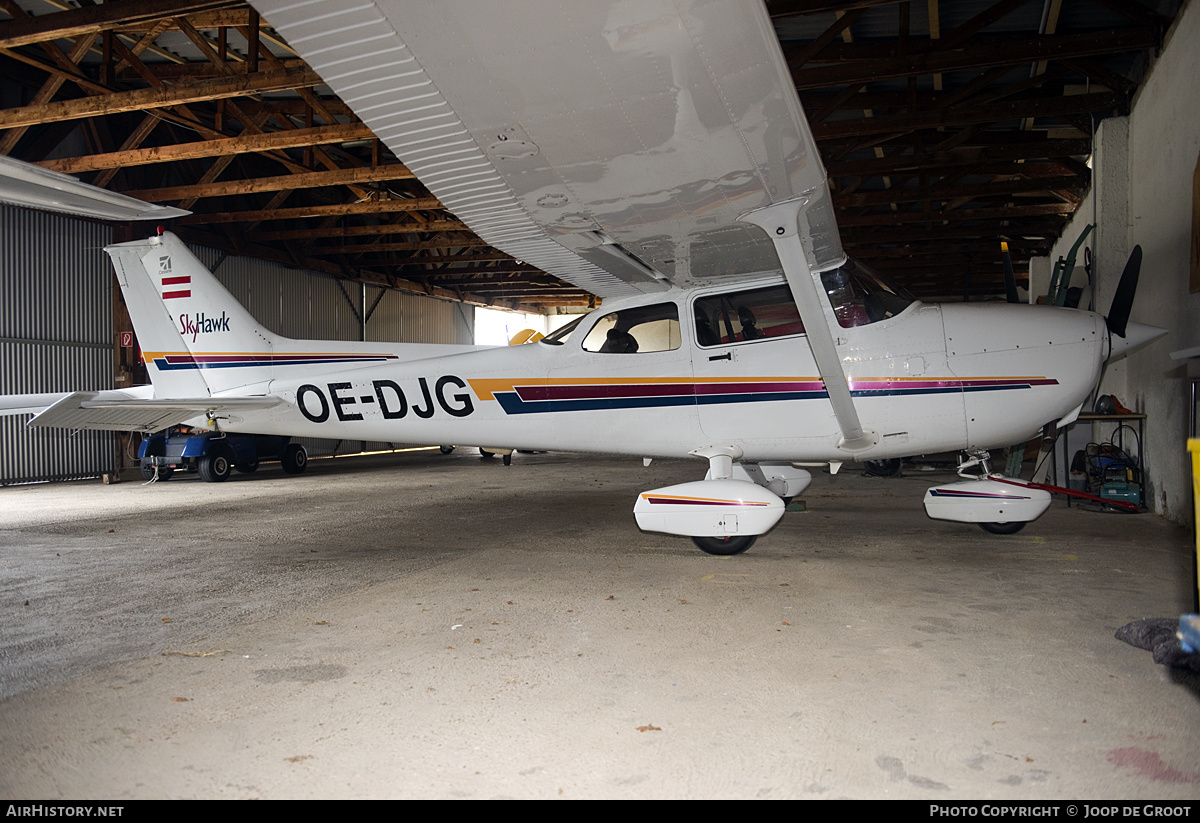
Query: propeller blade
{"x": 1010, "y": 279}
{"x": 1122, "y": 303}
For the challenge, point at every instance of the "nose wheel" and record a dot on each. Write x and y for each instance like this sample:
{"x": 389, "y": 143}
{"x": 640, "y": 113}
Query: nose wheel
{"x": 725, "y": 546}
{"x": 1003, "y": 528}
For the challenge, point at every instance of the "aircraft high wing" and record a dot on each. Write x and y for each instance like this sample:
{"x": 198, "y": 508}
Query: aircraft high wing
{"x": 654, "y": 153}
{"x": 24, "y": 184}
{"x": 613, "y": 144}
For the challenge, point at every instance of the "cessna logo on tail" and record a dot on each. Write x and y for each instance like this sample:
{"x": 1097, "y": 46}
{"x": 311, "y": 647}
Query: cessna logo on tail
{"x": 202, "y": 324}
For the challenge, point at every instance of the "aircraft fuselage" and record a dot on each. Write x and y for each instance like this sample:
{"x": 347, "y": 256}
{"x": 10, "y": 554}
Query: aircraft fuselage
{"x": 932, "y": 378}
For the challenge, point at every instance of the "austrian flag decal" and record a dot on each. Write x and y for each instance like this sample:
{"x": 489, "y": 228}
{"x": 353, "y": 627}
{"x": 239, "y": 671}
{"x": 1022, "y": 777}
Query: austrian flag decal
{"x": 173, "y": 287}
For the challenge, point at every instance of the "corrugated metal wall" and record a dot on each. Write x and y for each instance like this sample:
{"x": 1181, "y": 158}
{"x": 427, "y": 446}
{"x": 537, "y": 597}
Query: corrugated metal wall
{"x": 55, "y": 335}
{"x": 411, "y": 318}
{"x": 287, "y": 301}
{"x": 56, "y": 329}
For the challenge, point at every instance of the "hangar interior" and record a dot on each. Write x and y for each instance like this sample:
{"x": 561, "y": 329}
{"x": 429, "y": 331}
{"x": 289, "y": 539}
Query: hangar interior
{"x": 946, "y": 126}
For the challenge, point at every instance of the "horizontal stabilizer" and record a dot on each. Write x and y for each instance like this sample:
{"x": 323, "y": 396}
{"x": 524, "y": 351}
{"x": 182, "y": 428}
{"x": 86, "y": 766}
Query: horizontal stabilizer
{"x": 115, "y": 411}
{"x": 29, "y": 403}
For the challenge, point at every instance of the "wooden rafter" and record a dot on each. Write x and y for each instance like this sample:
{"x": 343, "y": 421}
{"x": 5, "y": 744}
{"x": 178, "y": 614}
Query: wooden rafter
{"x": 964, "y": 115}
{"x": 389, "y": 248}
{"x": 1000, "y": 51}
{"x": 939, "y": 193}
{"x": 781, "y": 9}
{"x": 97, "y": 18}
{"x": 46, "y": 93}
{"x": 373, "y": 206}
{"x": 362, "y": 231}
{"x": 267, "y": 141}
{"x": 939, "y": 162}
{"x": 141, "y": 99}
{"x": 303, "y": 180}
{"x": 954, "y": 215}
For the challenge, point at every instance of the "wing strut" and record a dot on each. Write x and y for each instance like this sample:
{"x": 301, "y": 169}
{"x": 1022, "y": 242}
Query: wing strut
{"x": 781, "y": 222}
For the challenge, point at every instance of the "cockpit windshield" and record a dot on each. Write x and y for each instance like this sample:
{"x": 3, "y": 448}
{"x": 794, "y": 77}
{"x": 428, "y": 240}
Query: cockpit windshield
{"x": 861, "y": 296}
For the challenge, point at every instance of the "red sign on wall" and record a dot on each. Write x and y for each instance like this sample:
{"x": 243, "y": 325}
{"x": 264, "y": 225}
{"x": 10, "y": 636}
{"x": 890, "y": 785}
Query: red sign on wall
{"x": 126, "y": 339}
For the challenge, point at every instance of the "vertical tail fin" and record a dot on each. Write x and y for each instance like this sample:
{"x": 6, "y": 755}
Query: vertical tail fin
{"x": 196, "y": 339}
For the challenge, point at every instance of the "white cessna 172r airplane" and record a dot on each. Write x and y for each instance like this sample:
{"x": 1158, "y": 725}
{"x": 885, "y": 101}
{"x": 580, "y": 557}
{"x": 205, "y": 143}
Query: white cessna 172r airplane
{"x": 655, "y": 153}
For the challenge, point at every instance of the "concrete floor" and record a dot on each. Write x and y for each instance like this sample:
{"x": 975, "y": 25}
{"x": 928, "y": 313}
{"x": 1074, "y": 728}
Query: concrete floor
{"x": 440, "y": 626}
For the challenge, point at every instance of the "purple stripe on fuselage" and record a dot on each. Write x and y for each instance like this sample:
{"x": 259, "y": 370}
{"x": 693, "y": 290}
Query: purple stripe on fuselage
{"x": 595, "y": 391}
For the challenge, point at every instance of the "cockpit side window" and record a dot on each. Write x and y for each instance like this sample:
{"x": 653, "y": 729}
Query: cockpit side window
{"x": 754, "y": 314}
{"x": 637, "y": 330}
{"x": 861, "y": 296}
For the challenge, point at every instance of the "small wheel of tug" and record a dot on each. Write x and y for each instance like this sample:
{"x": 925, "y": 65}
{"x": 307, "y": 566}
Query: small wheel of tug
{"x": 217, "y": 465}
{"x": 247, "y": 468}
{"x": 1003, "y": 528}
{"x": 725, "y": 546}
{"x": 294, "y": 459}
{"x": 445, "y": 449}
{"x": 485, "y": 454}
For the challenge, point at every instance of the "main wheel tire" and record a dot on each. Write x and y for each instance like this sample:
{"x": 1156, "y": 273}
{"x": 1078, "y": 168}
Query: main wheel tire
{"x": 508, "y": 459}
{"x": 725, "y": 546}
{"x": 247, "y": 468}
{"x": 883, "y": 468}
{"x": 294, "y": 459}
{"x": 1003, "y": 528}
{"x": 148, "y": 471}
{"x": 217, "y": 465}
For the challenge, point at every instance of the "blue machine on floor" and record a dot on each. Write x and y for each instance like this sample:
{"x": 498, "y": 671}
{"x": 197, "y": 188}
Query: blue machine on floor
{"x": 214, "y": 455}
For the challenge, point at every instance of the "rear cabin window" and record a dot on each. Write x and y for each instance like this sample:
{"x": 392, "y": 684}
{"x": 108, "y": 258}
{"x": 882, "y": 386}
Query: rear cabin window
{"x": 755, "y": 314}
{"x": 637, "y": 330}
